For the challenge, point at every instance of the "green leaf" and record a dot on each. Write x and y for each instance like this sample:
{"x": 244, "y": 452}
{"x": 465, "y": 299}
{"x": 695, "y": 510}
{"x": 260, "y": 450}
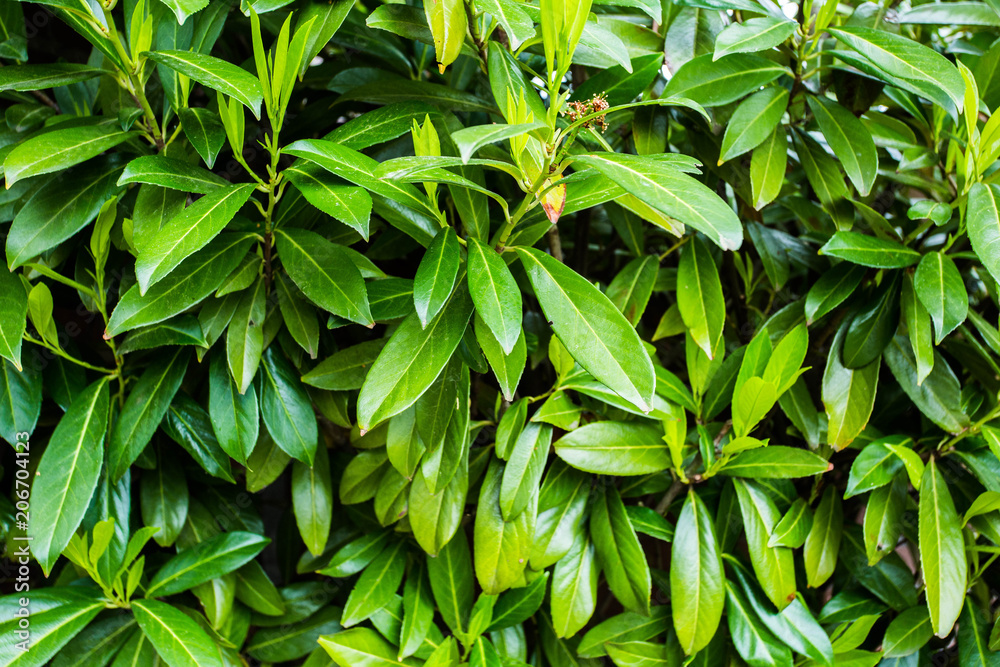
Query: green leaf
{"x": 508, "y": 368}
{"x": 451, "y": 580}
{"x": 346, "y": 369}
{"x": 907, "y": 633}
{"x": 359, "y": 169}
{"x": 204, "y": 131}
{"x": 177, "y": 638}
{"x": 941, "y": 290}
{"x": 418, "y": 611}
{"x": 312, "y": 500}
{"x": 696, "y": 579}
{"x": 751, "y": 638}
{"x": 287, "y": 411}
{"x": 68, "y": 473}
{"x": 245, "y": 335}
{"x": 574, "y": 588}
{"x": 615, "y": 448}
{"x": 873, "y": 325}
{"x": 20, "y": 401}
{"x": 298, "y": 314}
{"x": 875, "y": 466}
{"x": 831, "y": 289}
{"x": 411, "y": 361}
{"x": 56, "y": 150}
{"x": 99, "y": 642}
{"x": 54, "y": 623}
{"x": 495, "y": 294}
{"x": 196, "y": 278}
{"x": 938, "y": 396}
{"x": 470, "y": 139}
{"x": 325, "y": 274}
{"x": 524, "y": 469}
{"x": 13, "y": 317}
{"x": 767, "y": 167}
{"x": 645, "y": 520}
{"x": 591, "y": 328}
{"x": 188, "y": 424}
{"x": 188, "y": 232}
{"x": 235, "y": 417}
{"x": 293, "y": 640}
{"x": 699, "y": 296}
{"x": 624, "y": 627}
{"x": 942, "y": 551}
{"x": 60, "y": 208}
{"x": 184, "y": 8}
{"x": 254, "y": 589}
{"x": 711, "y": 82}
{"x": 516, "y": 23}
{"x": 363, "y": 647}
{"x": 918, "y": 325}
{"x": 794, "y": 527}
{"x": 618, "y": 548}
{"x": 983, "y": 223}
{"x": 449, "y": 25}
{"x": 348, "y": 203}
{"x": 752, "y": 35}
{"x": 215, "y": 73}
{"x": 24, "y": 78}
{"x": 870, "y": 251}
{"x": 754, "y": 121}
{"x": 848, "y": 395}
{"x": 181, "y": 330}
{"x": 165, "y": 499}
{"x": 775, "y": 462}
{"x": 144, "y": 409}
{"x": 502, "y": 548}
{"x": 904, "y": 58}
{"x": 207, "y": 560}
{"x": 973, "y": 647}
{"x": 883, "y": 518}
{"x": 518, "y": 605}
{"x": 171, "y": 173}
{"x": 436, "y": 276}
{"x": 751, "y": 403}
{"x": 376, "y": 585}
{"x": 671, "y": 192}
{"x": 850, "y": 141}
{"x": 823, "y": 543}
{"x": 773, "y": 566}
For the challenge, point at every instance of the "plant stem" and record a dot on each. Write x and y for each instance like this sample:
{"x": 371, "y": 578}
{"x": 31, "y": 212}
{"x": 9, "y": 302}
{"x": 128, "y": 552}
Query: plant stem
{"x": 62, "y": 353}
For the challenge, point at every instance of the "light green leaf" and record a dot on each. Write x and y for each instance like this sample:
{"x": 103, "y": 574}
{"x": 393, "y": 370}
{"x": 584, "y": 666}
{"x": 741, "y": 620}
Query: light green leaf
{"x": 215, "y": 73}
{"x": 591, "y": 328}
{"x": 188, "y": 232}
{"x": 671, "y": 192}
{"x": 697, "y": 581}
{"x": 615, "y": 448}
{"x": 55, "y": 150}
{"x": 67, "y": 474}
{"x": 753, "y": 122}
{"x": 495, "y": 294}
{"x": 942, "y": 551}
{"x": 177, "y": 638}
{"x": 941, "y": 290}
{"x": 325, "y": 273}
{"x": 752, "y": 35}
{"x": 850, "y": 141}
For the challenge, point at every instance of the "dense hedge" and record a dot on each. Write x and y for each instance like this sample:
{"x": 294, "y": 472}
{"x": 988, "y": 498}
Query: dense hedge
{"x": 498, "y": 333}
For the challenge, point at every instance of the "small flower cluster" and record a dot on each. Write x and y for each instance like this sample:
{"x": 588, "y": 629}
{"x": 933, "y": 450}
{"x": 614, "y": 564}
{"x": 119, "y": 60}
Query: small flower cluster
{"x": 596, "y": 104}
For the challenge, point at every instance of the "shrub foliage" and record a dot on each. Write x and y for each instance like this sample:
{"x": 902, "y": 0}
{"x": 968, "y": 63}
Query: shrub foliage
{"x": 500, "y": 332}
